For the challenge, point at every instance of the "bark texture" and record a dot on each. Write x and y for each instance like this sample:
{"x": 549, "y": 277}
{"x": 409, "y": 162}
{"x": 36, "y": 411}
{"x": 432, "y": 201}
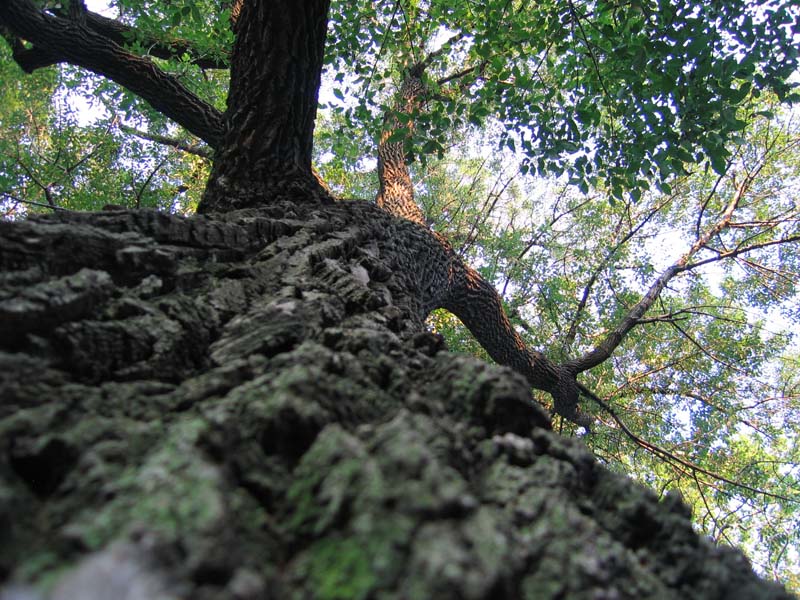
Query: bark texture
{"x": 248, "y": 406}
{"x": 263, "y": 146}
{"x": 395, "y": 188}
{"x": 272, "y": 105}
{"x": 30, "y": 59}
{"x": 456, "y": 286}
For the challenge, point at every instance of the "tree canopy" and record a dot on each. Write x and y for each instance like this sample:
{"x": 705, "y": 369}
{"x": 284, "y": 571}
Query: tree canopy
{"x": 666, "y": 168}
{"x": 621, "y": 94}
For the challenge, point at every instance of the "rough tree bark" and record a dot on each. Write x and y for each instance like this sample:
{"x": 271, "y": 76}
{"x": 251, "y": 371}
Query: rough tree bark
{"x": 272, "y": 105}
{"x": 395, "y": 187}
{"x": 245, "y": 404}
{"x": 248, "y": 406}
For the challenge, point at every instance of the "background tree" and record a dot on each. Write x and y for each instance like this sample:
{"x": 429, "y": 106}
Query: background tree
{"x": 245, "y": 191}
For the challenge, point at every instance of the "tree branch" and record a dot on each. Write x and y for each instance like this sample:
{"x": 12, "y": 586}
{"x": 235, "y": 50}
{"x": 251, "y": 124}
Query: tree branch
{"x": 462, "y": 73}
{"x": 78, "y": 44}
{"x": 603, "y": 351}
{"x": 147, "y": 181}
{"x": 34, "y": 58}
{"x": 14, "y": 198}
{"x": 426, "y": 62}
{"x": 196, "y": 149}
{"x": 739, "y": 251}
{"x": 573, "y": 326}
{"x": 668, "y": 456}
{"x": 595, "y": 63}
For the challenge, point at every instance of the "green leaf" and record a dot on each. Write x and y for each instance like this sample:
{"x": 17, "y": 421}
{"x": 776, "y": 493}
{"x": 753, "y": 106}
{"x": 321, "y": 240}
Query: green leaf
{"x": 432, "y": 147}
{"x": 398, "y": 135}
{"x": 737, "y": 95}
{"x": 718, "y": 162}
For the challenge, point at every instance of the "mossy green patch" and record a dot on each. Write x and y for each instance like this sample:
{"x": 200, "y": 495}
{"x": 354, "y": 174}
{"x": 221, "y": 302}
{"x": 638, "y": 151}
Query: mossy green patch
{"x": 173, "y": 492}
{"x": 45, "y": 562}
{"x": 339, "y": 569}
{"x": 354, "y": 566}
{"x": 335, "y": 470}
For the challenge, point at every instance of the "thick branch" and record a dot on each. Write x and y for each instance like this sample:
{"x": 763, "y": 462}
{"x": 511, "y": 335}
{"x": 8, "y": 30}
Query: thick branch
{"x": 30, "y": 59}
{"x": 460, "y": 289}
{"x": 78, "y": 44}
{"x": 462, "y": 73}
{"x": 446, "y": 45}
{"x": 166, "y": 49}
{"x": 476, "y": 303}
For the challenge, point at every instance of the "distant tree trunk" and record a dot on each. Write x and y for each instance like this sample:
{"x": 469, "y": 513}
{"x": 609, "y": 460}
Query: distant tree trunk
{"x": 395, "y": 187}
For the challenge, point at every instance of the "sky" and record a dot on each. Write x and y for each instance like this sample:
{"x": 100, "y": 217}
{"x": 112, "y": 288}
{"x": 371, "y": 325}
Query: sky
{"x": 100, "y": 6}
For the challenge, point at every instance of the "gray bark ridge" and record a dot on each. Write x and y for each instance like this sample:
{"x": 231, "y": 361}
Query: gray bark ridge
{"x": 248, "y": 406}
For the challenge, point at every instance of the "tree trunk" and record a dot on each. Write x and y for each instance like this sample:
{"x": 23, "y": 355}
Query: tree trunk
{"x": 395, "y": 188}
{"x": 249, "y": 407}
{"x": 272, "y": 106}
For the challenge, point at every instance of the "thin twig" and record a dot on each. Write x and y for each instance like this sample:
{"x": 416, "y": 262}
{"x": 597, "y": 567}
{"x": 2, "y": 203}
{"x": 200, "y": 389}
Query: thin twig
{"x": 669, "y": 456}
{"x": 14, "y": 198}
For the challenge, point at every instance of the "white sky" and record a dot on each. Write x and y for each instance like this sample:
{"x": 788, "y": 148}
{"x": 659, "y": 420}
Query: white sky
{"x": 100, "y": 6}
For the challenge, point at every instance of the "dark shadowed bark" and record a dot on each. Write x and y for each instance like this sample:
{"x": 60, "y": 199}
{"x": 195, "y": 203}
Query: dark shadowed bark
{"x": 36, "y": 57}
{"x": 272, "y": 105}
